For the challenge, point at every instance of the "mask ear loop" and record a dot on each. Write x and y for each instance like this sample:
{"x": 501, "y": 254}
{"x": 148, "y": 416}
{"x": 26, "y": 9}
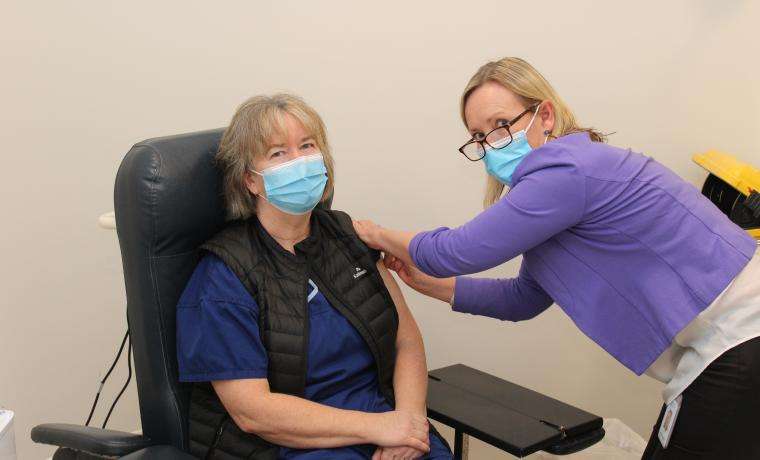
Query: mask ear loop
{"x": 534, "y": 119}
{"x": 257, "y": 194}
{"x": 547, "y": 132}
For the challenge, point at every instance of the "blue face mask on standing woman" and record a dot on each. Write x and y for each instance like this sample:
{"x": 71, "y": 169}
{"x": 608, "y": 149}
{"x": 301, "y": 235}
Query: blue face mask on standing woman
{"x": 502, "y": 160}
{"x": 297, "y": 186}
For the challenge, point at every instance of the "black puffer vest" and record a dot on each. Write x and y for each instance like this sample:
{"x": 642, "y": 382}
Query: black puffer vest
{"x": 344, "y": 270}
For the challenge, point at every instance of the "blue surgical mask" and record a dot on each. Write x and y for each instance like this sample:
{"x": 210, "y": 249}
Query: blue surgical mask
{"x": 297, "y": 186}
{"x": 502, "y": 160}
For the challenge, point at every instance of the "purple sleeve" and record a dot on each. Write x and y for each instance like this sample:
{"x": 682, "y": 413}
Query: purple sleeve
{"x": 542, "y": 204}
{"x": 514, "y": 299}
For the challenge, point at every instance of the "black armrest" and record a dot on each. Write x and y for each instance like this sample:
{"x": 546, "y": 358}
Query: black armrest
{"x": 159, "y": 453}
{"x": 510, "y": 417}
{"x": 89, "y": 439}
{"x": 576, "y": 443}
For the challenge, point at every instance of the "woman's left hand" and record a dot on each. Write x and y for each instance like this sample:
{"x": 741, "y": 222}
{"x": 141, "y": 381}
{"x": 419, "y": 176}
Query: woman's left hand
{"x": 369, "y": 232}
{"x": 397, "y": 453}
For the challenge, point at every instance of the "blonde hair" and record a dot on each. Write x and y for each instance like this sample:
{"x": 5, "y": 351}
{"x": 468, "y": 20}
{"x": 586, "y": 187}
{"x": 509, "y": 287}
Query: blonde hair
{"x": 529, "y": 85}
{"x": 248, "y": 137}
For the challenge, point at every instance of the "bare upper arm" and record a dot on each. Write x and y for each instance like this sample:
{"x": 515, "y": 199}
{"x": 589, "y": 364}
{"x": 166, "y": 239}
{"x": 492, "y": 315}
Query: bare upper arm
{"x": 408, "y": 331}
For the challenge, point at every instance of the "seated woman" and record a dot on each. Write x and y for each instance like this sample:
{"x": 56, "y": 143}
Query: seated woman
{"x": 309, "y": 347}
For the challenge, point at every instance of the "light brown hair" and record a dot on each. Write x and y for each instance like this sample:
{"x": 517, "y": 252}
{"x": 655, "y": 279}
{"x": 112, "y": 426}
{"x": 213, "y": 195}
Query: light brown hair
{"x": 248, "y": 137}
{"x": 528, "y": 84}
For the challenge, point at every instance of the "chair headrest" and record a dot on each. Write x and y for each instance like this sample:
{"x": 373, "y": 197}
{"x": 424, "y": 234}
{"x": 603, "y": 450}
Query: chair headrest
{"x": 168, "y": 196}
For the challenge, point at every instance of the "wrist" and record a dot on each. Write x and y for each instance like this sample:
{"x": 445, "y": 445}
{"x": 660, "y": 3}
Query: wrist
{"x": 382, "y": 238}
{"x": 444, "y": 289}
{"x": 365, "y": 427}
{"x": 415, "y": 409}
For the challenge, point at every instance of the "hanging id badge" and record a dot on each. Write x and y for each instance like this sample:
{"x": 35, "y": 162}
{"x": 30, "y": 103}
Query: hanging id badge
{"x": 669, "y": 420}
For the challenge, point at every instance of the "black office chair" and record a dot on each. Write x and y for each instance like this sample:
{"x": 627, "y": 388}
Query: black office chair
{"x": 167, "y": 202}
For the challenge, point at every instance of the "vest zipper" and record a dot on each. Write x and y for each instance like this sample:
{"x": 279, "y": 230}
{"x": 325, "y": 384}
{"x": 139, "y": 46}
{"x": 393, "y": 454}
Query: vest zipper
{"x": 217, "y": 438}
{"x": 306, "y": 333}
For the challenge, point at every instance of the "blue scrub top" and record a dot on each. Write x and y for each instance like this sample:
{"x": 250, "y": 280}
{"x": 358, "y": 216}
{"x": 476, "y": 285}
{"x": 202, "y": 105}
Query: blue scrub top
{"x": 218, "y": 339}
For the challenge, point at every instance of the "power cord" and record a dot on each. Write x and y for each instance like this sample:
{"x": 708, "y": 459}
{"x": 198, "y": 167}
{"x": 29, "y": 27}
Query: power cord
{"x": 126, "y": 384}
{"x": 108, "y": 374}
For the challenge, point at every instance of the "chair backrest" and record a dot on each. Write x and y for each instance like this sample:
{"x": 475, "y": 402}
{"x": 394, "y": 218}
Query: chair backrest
{"x": 167, "y": 201}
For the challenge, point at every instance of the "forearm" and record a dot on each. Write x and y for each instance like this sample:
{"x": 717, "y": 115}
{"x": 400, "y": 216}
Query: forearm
{"x": 514, "y": 299}
{"x": 410, "y": 377}
{"x": 410, "y": 372}
{"x": 299, "y": 423}
{"x": 437, "y": 288}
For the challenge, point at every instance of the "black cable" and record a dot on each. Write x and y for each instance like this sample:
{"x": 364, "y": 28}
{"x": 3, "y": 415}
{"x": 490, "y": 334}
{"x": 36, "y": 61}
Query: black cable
{"x": 126, "y": 384}
{"x": 102, "y": 382}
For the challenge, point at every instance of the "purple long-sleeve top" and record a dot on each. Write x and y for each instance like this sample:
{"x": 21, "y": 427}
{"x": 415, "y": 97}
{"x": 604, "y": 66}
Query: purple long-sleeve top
{"x": 628, "y": 250}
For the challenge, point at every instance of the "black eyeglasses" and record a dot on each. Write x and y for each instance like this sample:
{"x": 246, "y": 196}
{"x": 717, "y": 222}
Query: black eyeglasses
{"x": 497, "y": 138}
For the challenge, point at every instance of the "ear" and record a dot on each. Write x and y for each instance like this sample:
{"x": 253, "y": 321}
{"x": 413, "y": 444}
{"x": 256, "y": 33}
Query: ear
{"x": 253, "y": 183}
{"x": 546, "y": 116}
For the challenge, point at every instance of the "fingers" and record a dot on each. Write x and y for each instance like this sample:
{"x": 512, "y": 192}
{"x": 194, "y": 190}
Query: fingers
{"x": 415, "y": 443}
{"x": 389, "y": 454}
{"x": 362, "y": 223}
{"x": 362, "y": 226}
{"x": 367, "y": 231}
{"x": 399, "y": 266}
{"x": 420, "y": 431}
{"x": 378, "y": 455}
{"x": 400, "y": 453}
{"x": 388, "y": 260}
{"x": 422, "y": 435}
{"x": 405, "y": 276}
{"x": 417, "y": 454}
{"x": 393, "y": 263}
{"x": 412, "y": 454}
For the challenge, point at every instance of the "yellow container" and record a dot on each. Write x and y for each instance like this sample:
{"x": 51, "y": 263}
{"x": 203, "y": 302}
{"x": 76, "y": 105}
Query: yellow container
{"x": 742, "y": 177}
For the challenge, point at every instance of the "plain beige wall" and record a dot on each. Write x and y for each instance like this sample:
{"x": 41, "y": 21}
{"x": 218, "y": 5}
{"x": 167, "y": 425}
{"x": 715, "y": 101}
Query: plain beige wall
{"x": 82, "y": 81}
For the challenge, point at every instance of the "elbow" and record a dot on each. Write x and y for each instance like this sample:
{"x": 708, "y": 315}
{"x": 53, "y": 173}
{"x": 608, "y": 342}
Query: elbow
{"x": 250, "y": 425}
{"x": 253, "y": 420}
{"x": 524, "y": 314}
{"x": 265, "y": 431}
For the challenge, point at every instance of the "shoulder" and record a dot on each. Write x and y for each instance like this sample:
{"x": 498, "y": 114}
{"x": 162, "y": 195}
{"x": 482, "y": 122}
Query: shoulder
{"x": 549, "y": 165}
{"x": 234, "y": 235}
{"x": 342, "y": 226}
{"x": 576, "y": 157}
{"x": 555, "y": 155}
{"x": 339, "y": 223}
{"x": 213, "y": 280}
{"x": 552, "y": 177}
{"x": 335, "y": 217}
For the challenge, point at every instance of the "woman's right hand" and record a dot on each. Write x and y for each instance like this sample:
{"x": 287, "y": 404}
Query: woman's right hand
{"x": 401, "y": 428}
{"x": 438, "y": 288}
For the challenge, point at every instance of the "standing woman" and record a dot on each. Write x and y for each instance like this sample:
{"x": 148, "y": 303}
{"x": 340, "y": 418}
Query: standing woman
{"x": 636, "y": 257}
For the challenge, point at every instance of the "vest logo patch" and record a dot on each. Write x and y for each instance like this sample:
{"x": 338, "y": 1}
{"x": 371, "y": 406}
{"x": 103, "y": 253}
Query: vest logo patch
{"x": 359, "y": 272}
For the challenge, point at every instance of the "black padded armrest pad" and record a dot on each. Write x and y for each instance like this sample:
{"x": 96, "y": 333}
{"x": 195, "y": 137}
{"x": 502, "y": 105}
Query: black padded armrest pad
{"x": 513, "y": 418}
{"x": 89, "y": 439}
{"x": 159, "y": 453}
